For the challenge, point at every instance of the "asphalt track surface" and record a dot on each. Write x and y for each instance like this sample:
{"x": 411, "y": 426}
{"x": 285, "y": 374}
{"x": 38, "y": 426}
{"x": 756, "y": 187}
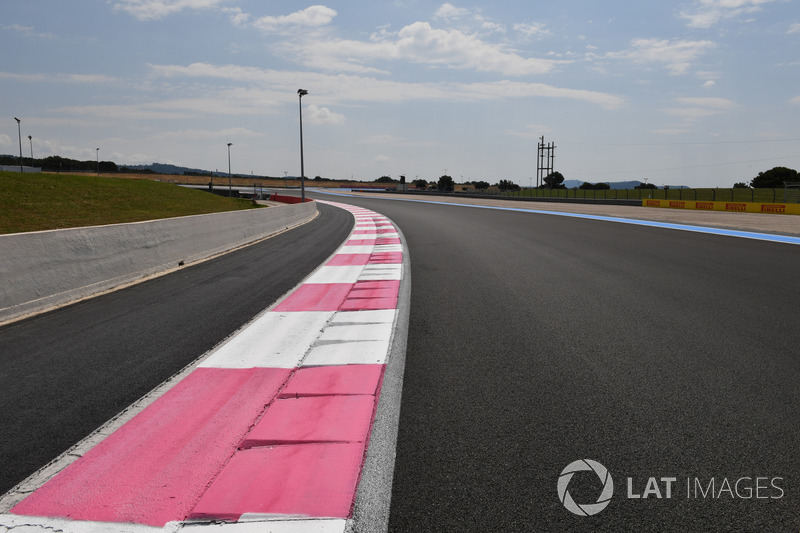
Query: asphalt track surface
{"x": 537, "y": 340}
{"x": 534, "y": 341}
{"x": 65, "y": 373}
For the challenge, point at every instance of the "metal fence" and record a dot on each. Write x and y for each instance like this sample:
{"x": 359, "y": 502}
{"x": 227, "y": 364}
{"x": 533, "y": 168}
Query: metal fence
{"x": 782, "y": 195}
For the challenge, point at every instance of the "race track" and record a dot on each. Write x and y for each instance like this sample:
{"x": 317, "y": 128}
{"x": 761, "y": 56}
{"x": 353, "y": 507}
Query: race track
{"x": 537, "y": 340}
{"x": 67, "y": 372}
{"x": 534, "y": 341}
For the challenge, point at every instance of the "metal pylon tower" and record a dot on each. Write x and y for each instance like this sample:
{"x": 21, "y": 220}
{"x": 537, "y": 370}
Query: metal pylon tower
{"x": 545, "y": 155}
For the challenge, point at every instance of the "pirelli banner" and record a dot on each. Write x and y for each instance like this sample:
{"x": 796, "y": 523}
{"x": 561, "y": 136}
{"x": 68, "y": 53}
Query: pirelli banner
{"x": 742, "y": 207}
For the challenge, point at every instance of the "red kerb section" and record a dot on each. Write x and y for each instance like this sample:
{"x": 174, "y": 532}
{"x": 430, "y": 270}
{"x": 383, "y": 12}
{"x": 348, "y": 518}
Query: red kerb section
{"x": 154, "y": 469}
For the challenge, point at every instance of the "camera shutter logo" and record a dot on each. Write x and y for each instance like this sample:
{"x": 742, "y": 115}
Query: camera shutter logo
{"x": 585, "y": 509}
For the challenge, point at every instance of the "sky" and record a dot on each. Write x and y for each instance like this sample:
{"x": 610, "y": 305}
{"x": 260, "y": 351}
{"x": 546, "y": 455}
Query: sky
{"x": 703, "y": 93}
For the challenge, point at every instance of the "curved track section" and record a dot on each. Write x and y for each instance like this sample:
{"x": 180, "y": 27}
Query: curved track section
{"x": 272, "y": 427}
{"x": 538, "y": 340}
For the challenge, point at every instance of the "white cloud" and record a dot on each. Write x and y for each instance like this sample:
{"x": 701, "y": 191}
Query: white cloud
{"x": 58, "y": 78}
{"x": 706, "y": 13}
{"x": 421, "y": 43}
{"x": 237, "y": 16}
{"x": 393, "y": 140}
{"x": 313, "y": 16}
{"x": 5, "y": 140}
{"x": 27, "y": 31}
{"x": 699, "y": 107}
{"x": 533, "y": 30}
{"x": 510, "y": 89}
{"x": 184, "y": 135}
{"x": 677, "y": 56}
{"x": 795, "y": 100}
{"x": 349, "y": 88}
{"x": 721, "y": 104}
{"x": 450, "y": 12}
{"x": 112, "y": 113}
{"x": 158, "y": 9}
{"x": 531, "y": 131}
{"x": 709, "y": 84}
{"x": 794, "y": 28}
{"x": 321, "y": 115}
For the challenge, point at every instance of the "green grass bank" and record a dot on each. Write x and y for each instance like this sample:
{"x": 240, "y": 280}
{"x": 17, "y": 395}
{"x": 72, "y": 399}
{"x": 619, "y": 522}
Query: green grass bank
{"x": 36, "y": 202}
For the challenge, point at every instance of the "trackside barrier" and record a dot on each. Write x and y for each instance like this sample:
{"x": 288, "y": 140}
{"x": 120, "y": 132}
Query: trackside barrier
{"x": 46, "y": 269}
{"x": 287, "y": 199}
{"x": 741, "y": 207}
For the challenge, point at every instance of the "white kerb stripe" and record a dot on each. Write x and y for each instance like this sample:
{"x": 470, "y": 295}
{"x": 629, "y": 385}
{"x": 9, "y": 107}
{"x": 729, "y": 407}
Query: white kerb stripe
{"x": 274, "y": 340}
{"x": 348, "y": 353}
{"x": 336, "y": 274}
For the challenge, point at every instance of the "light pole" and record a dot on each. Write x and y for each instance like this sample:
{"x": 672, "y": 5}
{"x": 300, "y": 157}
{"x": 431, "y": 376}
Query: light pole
{"x": 19, "y": 132}
{"x": 300, "y": 94}
{"x": 97, "y": 151}
{"x": 30, "y": 138}
{"x": 230, "y": 194}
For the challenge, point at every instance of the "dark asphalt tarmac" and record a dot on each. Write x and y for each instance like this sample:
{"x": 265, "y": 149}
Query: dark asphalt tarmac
{"x": 65, "y": 373}
{"x": 537, "y": 340}
{"x": 534, "y": 341}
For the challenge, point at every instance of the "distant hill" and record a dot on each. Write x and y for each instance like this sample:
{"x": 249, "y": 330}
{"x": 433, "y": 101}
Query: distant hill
{"x": 163, "y": 168}
{"x": 569, "y": 184}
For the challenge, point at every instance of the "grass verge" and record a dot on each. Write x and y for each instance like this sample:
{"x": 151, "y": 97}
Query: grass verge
{"x": 35, "y": 202}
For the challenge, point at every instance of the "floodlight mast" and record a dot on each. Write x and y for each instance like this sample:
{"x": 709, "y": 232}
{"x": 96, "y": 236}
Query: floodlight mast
{"x": 19, "y": 132}
{"x": 230, "y": 190}
{"x": 300, "y": 94}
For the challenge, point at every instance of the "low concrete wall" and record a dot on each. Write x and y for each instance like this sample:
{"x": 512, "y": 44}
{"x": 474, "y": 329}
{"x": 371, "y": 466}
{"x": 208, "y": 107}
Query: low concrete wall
{"x": 15, "y": 168}
{"x": 45, "y": 269}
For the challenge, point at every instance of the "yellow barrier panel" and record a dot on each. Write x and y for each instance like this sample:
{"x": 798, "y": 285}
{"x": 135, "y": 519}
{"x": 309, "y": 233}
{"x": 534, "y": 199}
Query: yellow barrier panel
{"x": 741, "y": 207}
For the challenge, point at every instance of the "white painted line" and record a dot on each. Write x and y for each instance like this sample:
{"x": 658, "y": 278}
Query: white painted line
{"x": 247, "y": 525}
{"x": 31, "y": 524}
{"x": 382, "y": 316}
{"x": 358, "y": 236}
{"x": 359, "y": 249}
{"x": 336, "y": 274}
{"x": 382, "y": 272}
{"x": 388, "y": 248}
{"x": 275, "y": 340}
{"x": 358, "y": 332}
{"x": 348, "y": 353}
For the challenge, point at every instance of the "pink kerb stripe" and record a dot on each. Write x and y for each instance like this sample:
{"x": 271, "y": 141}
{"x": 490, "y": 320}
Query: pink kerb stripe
{"x": 154, "y": 469}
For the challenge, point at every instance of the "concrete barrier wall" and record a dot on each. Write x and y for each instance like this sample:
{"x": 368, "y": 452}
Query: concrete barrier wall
{"x": 45, "y": 269}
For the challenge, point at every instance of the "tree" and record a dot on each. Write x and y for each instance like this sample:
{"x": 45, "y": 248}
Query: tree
{"x": 595, "y": 186}
{"x": 446, "y": 183}
{"x": 420, "y": 184}
{"x": 774, "y": 178}
{"x": 554, "y": 180}
{"x": 741, "y": 185}
{"x": 646, "y": 186}
{"x": 480, "y": 185}
{"x": 506, "y": 185}
{"x": 384, "y": 179}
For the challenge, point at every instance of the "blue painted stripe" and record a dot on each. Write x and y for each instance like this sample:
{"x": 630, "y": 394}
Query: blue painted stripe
{"x": 786, "y": 239}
